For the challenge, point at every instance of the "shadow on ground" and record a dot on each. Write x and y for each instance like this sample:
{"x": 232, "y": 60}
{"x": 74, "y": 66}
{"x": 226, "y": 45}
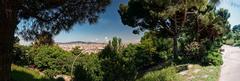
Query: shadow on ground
{"x": 23, "y": 76}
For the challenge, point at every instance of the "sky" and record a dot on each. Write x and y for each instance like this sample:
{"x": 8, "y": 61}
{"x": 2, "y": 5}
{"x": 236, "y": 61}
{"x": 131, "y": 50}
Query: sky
{"x": 109, "y": 25}
{"x": 233, "y": 7}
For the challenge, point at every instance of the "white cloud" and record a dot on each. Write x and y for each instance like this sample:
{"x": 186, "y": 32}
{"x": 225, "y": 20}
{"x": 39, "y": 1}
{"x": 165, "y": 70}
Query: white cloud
{"x": 96, "y": 39}
{"x": 106, "y": 39}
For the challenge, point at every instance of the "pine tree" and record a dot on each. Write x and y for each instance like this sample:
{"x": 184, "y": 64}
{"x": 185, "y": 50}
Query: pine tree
{"x": 169, "y": 18}
{"x": 37, "y": 16}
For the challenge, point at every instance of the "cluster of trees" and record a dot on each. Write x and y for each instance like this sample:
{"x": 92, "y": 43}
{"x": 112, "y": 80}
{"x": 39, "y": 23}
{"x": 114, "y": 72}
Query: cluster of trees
{"x": 233, "y": 37}
{"x": 117, "y": 62}
{"x": 51, "y": 60}
{"x": 129, "y": 63}
{"x": 178, "y": 31}
{"x": 113, "y": 63}
{"x": 38, "y": 18}
{"x": 196, "y": 27}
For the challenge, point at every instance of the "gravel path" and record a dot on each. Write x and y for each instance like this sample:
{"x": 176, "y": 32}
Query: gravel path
{"x": 230, "y": 70}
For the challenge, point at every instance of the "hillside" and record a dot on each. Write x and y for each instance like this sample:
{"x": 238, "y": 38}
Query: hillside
{"x": 89, "y": 47}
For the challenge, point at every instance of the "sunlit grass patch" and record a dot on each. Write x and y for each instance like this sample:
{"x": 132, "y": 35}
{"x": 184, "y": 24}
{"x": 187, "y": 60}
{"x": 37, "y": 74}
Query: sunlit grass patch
{"x": 166, "y": 74}
{"x": 25, "y": 74}
{"x": 201, "y": 73}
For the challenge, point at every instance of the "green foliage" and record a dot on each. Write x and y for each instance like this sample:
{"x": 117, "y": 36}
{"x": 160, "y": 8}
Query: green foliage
{"x": 230, "y": 41}
{"x": 113, "y": 47}
{"x": 166, "y": 74}
{"x": 88, "y": 68}
{"x": 38, "y": 16}
{"x": 57, "y": 15}
{"x": 237, "y": 43}
{"x": 210, "y": 73}
{"x": 52, "y": 59}
{"x": 76, "y": 50}
{"x": 21, "y": 55}
{"x": 158, "y": 47}
{"x": 213, "y": 57}
{"x": 192, "y": 48}
{"x": 117, "y": 63}
{"x": 23, "y": 74}
{"x": 193, "y": 26}
{"x": 236, "y": 28}
{"x": 121, "y": 64}
{"x": 44, "y": 38}
{"x": 233, "y": 38}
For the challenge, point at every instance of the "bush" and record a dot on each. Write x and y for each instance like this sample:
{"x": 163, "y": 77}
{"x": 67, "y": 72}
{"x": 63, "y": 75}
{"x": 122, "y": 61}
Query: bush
{"x": 125, "y": 64}
{"x": 229, "y": 41}
{"x": 153, "y": 50}
{"x": 166, "y": 74}
{"x": 76, "y": 50}
{"x": 237, "y": 43}
{"x": 117, "y": 62}
{"x": 21, "y": 55}
{"x": 158, "y": 48}
{"x": 213, "y": 57}
{"x": 88, "y": 68}
{"x": 19, "y": 73}
{"x": 51, "y": 59}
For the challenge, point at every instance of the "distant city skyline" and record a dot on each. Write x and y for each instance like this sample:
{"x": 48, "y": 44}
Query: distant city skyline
{"x": 109, "y": 25}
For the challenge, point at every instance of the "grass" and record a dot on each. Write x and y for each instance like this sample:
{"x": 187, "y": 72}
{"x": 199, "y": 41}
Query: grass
{"x": 193, "y": 73}
{"x": 166, "y": 74}
{"x": 24, "y": 74}
{"x": 202, "y": 73}
{"x": 183, "y": 73}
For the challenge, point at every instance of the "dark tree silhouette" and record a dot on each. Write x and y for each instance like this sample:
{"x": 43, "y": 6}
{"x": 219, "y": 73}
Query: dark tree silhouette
{"x": 167, "y": 17}
{"x": 37, "y": 16}
{"x": 236, "y": 28}
{"x": 45, "y": 38}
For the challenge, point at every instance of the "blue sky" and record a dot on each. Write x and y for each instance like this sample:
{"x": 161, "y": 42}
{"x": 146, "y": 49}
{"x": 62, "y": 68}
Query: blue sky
{"x": 233, "y": 7}
{"x": 110, "y": 25}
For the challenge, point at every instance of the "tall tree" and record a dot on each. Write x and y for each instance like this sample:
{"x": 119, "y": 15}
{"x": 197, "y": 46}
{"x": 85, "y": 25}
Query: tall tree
{"x": 37, "y": 16}
{"x": 167, "y": 17}
{"x": 236, "y": 32}
{"x": 45, "y": 38}
{"x": 170, "y": 18}
{"x": 236, "y": 28}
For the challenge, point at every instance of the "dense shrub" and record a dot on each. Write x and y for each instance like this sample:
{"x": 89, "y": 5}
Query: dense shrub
{"x": 213, "y": 57}
{"x": 88, "y": 68}
{"x": 51, "y": 59}
{"x": 19, "y": 73}
{"x": 237, "y": 43}
{"x": 21, "y": 55}
{"x": 159, "y": 47}
{"x": 230, "y": 42}
{"x": 125, "y": 64}
{"x": 233, "y": 37}
{"x": 166, "y": 74}
{"x": 76, "y": 50}
{"x": 153, "y": 50}
{"x": 116, "y": 64}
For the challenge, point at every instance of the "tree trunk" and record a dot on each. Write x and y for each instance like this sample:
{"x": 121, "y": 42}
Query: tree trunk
{"x": 7, "y": 28}
{"x": 175, "y": 47}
